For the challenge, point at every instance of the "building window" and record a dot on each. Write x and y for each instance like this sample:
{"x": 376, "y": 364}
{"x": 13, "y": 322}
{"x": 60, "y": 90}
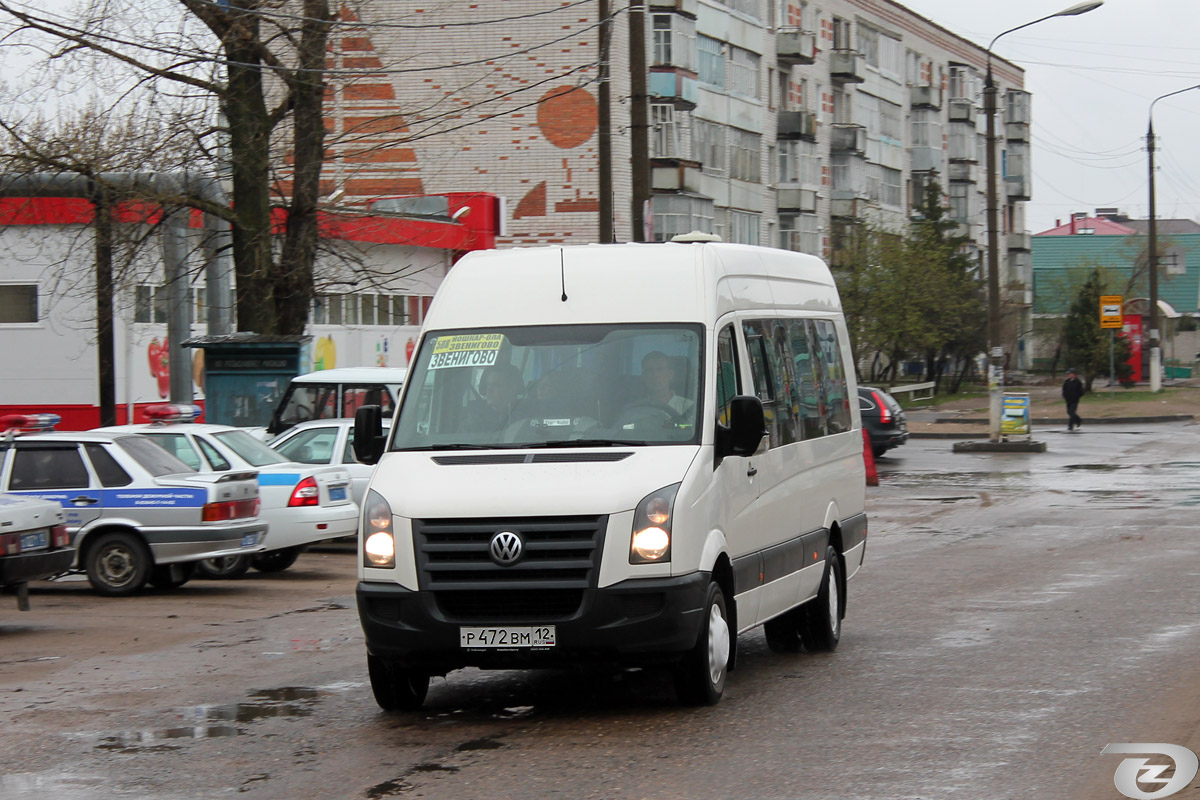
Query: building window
{"x": 744, "y": 227}
{"x": 964, "y": 83}
{"x": 743, "y": 75}
{"x": 680, "y": 213}
{"x": 745, "y": 155}
{"x": 868, "y": 45}
{"x": 891, "y": 192}
{"x": 18, "y": 303}
{"x": 708, "y": 140}
{"x": 799, "y": 162}
{"x": 665, "y": 140}
{"x": 842, "y": 37}
{"x": 711, "y": 71}
{"x": 960, "y": 210}
{"x": 849, "y": 175}
{"x": 674, "y": 41}
{"x": 926, "y": 128}
{"x": 748, "y": 7}
{"x": 800, "y": 232}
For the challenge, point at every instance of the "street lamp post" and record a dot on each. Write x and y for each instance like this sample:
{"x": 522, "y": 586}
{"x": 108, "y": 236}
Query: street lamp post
{"x": 1152, "y": 247}
{"x": 995, "y": 345}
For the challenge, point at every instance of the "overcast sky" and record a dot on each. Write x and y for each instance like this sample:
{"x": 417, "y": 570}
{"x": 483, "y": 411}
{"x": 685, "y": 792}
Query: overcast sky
{"x": 1093, "y": 78}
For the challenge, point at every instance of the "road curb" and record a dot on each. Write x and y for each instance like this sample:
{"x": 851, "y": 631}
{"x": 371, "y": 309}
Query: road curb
{"x": 1087, "y": 420}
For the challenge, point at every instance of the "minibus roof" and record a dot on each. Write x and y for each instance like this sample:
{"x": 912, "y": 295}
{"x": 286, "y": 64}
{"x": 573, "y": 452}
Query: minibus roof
{"x": 617, "y": 283}
{"x": 354, "y": 375}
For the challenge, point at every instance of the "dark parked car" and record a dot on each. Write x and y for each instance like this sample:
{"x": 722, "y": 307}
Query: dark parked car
{"x": 883, "y": 418}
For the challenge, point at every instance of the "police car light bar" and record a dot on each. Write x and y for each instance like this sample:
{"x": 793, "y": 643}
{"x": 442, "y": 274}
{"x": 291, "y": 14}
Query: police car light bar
{"x": 173, "y": 412}
{"x": 29, "y": 423}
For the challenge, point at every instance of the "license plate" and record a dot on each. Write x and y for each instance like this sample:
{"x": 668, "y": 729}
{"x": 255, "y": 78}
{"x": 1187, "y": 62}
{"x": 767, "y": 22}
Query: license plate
{"x": 337, "y": 493}
{"x": 35, "y": 541}
{"x": 249, "y": 539}
{"x": 508, "y": 636}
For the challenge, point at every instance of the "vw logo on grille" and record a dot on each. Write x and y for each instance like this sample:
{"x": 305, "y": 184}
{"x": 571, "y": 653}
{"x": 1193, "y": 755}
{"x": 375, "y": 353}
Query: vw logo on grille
{"x": 506, "y": 548}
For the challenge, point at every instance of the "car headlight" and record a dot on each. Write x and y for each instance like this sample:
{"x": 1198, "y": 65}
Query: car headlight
{"x": 650, "y": 542}
{"x": 379, "y": 546}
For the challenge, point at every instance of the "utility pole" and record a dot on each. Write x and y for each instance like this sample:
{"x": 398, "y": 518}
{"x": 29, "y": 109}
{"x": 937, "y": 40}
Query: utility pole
{"x": 604, "y": 121}
{"x": 1152, "y": 243}
{"x": 639, "y": 125}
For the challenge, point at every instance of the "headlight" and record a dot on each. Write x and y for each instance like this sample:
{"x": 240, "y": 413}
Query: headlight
{"x": 379, "y": 547}
{"x": 650, "y": 542}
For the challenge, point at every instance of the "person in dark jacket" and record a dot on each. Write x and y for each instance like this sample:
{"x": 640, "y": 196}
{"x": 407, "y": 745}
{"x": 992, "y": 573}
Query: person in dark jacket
{"x": 1072, "y": 390}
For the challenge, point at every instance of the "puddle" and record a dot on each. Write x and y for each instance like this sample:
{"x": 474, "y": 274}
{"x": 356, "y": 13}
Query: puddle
{"x": 211, "y": 722}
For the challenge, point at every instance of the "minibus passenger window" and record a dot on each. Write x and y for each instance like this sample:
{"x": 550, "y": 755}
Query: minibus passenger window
{"x": 728, "y": 383}
{"x": 812, "y": 415}
{"x": 837, "y": 399}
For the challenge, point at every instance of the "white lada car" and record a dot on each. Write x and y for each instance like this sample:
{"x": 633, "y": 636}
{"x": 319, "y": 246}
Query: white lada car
{"x": 302, "y": 504}
{"x": 135, "y": 513}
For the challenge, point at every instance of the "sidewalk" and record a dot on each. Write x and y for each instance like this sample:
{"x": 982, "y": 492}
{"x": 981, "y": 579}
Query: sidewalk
{"x": 968, "y": 418}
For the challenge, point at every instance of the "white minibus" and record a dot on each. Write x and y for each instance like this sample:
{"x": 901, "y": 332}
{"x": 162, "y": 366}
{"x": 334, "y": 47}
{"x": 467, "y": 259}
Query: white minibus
{"x": 627, "y": 454}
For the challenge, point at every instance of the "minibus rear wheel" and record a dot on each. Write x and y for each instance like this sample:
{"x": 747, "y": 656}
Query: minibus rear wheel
{"x": 821, "y": 629}
{"x": 700, "y": 676}
{"x": 396, "y": 688}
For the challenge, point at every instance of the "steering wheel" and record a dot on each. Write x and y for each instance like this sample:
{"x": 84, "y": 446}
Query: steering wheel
{"x": 629, "y": 410}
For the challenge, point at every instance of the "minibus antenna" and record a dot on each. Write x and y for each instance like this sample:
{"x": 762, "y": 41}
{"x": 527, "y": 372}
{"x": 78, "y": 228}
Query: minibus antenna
{"x": 562, "y": 274}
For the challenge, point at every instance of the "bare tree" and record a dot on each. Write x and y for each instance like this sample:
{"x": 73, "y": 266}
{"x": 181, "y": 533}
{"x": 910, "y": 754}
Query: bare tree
{"x": 260, "y": 70}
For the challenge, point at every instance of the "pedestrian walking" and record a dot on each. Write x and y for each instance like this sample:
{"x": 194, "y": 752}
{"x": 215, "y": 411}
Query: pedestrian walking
{"x": 1072, "y": 390}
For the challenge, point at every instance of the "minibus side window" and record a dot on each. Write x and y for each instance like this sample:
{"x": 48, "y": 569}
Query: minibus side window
{"x": 728, "y": 376}
{"x": 764, "y": 383}
{"x": 785, "y": 385}
{"x": 837, "y": 398}
{"x": 812, "y": 416}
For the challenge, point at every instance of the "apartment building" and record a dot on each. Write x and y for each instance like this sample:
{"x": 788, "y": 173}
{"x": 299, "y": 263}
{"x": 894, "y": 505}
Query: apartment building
{"x": 774, "y": 122}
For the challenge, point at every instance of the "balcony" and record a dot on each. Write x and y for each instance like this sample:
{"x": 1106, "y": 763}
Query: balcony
{"x": 1017, "y": 188}
{"x": 1016, "y": 131}
{"x": 686, "y": 7}
{"x": 674, "y": 175}
{"x": 795, "y": 47}
{"x": 962, "y": 111}
{"x": 804, "y": 200}
{"x": 848, "y": 208}
{"x": 796, "y": 125}
{"x": 678, "y": 88}
{"x": 845, "y": 66}
{"x": 926, "y": 97}
{"x": 1020, "y": 240}
{"x": 926, "y": 159}
{"x": 963, "y": 172}
{"x": 848, "y": 139}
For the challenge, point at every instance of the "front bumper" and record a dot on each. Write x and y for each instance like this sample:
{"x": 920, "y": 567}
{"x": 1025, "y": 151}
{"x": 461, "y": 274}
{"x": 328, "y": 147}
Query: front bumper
{"x": 35, "y": 566}
{"x": 635, "y": 622}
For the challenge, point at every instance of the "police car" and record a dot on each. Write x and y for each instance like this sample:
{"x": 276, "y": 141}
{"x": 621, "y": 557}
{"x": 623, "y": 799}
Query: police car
{"x": 136, "y": 514}
{"x": 34, "y": 543}
{"x": 327, "y": 441}
{"x": 302, "y": 504}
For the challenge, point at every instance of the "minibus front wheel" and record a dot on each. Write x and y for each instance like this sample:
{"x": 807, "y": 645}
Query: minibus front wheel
{"x": 396, "y": 688}
{"x": 700, "y": 675}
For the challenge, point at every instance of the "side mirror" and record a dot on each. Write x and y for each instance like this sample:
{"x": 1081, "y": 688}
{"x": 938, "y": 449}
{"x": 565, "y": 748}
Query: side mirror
{"x": 369, "y": 440}
{"x": 747, "y": 426}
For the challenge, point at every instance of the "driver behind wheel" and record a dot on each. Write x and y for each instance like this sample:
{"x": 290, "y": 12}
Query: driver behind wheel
{"x": 500, "y": 386}
{"x": 658, "y": 377}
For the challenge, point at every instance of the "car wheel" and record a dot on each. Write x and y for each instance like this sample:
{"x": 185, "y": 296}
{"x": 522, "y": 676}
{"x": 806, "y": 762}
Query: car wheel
{"x": 821, "y": 628}
{"x": 700, "y": 676}
{"x": 172, "y": 576}
{"x": 223, "y": 567}
{"x": 276, "y": 560}
{"x": 396, "y": 688}
{"x": 118, "y": 564}
{"x": 783, "y": 632}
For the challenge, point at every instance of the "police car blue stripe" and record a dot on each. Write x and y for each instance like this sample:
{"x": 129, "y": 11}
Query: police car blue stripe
{"x": 278, "y": 478}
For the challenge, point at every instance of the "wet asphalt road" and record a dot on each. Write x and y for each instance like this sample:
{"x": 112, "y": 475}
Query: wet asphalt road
{"x": 1016, "y": 613}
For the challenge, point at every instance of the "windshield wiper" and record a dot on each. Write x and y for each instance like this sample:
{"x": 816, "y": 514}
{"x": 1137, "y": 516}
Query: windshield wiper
{"x": 588, "y": 443}
{"x": 457, "y": 446}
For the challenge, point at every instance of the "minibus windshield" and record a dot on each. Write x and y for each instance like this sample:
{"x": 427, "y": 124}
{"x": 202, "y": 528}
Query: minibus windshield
{"x": 554, "y": 386}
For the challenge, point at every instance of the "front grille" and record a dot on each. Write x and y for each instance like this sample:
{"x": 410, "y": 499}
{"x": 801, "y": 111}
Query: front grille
{"x": 560, "y": 559}
{"x": 514, "y": 605}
